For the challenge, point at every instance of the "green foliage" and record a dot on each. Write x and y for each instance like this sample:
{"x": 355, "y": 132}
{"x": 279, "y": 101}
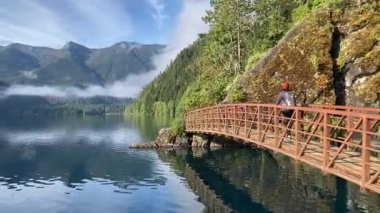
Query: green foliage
{"x": 314, "y": 60}
{"x": 202, "y": 74}
{"x": 238, "y": 95}
{"x": 377, "y": 36}
{"x": 273, "y": 19}
{"x": 323, "y": 3}
{"x": 178, "y": 125}
{"x": 160, "y": 109}
{"x": 206, "y": 91}
{"x": 228, "y": 41}
{"x": 237, "y": 29}
{"x": 162, "y": 95}
{"x": 253, "y": 59}
{"x": 300, "y": 13}
{"x": 305, "y": 9}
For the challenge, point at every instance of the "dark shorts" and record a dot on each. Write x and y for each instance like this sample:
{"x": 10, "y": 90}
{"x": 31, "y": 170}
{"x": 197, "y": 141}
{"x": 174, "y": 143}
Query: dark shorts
{"x": 287, "y": 113}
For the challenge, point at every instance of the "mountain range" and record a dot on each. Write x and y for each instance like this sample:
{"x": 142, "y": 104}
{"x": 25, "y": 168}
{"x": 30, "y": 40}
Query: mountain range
{"x": 74, "y": 64}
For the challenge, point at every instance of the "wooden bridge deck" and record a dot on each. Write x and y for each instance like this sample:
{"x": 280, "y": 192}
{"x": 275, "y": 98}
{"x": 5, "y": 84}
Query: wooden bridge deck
{"x": 343, "y": 141}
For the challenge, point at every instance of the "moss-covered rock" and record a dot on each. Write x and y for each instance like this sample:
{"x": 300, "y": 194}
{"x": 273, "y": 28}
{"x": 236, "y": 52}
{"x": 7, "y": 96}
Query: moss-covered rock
{"x": 334, "y": 52}
{"x": 302, "y": 57}
{"x": 357, "y": 44}
{"x": 359, "y": 58}
{"x": 165, "y": 136}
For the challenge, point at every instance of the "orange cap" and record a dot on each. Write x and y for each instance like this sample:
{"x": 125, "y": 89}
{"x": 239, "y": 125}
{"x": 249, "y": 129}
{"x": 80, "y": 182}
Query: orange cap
{"x": 285, "y": 86}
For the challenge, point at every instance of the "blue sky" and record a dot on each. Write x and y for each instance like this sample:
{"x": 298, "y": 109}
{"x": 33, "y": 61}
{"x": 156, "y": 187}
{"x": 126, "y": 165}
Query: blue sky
{"x": 95, "y": 23}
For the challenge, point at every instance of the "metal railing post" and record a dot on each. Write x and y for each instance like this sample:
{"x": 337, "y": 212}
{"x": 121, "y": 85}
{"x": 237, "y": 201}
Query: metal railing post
{"x": 245, "y": 120}
{"x": 234, "y": 123}
{"x": 326, "y": 141}
{"x": 225, "y": 120}
{"x": 277, "y": 126}
{"x": 366, "y": 143}
{"x": 259, "y": 123}
{"x": 350, "y": 125}
{"x": 297, "y": 132}
{"x": 220, "y": 119}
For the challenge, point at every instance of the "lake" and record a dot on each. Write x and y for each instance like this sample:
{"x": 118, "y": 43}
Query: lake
{"x": 83, "y": 164}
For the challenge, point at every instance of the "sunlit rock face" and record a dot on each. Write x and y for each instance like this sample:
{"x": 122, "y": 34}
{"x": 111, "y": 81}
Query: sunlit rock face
{"x": 359, "y": 59}
{"x": 331, "y": 57}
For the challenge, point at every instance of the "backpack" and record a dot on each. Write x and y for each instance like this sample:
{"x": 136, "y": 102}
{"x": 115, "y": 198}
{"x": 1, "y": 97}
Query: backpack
{"x": 288, "y": 99}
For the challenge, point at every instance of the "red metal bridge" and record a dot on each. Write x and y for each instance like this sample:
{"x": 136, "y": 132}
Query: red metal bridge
{"x": 340, "y": 140}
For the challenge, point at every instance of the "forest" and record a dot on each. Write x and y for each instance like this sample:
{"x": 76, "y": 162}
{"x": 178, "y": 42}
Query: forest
{"x": 242, "y": 32}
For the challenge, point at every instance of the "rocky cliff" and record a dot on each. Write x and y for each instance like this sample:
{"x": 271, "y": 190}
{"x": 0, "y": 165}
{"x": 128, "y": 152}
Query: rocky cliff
{"x": 331, "y": 56}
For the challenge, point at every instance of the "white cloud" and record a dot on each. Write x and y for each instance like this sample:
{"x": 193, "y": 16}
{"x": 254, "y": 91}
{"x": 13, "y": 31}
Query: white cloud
{"x": 188, "y": 25}
{"x": 99, "y": 21}
{"x": 159, "y": 15}
{"x": 52, "y": 23}
{"x": 30, "y": 24}
{"x": 120, "y": 89}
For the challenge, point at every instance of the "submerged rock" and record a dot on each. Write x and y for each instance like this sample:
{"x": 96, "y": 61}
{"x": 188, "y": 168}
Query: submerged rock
{"x": 166, "y": 139}
{"x": 144, "y": 146}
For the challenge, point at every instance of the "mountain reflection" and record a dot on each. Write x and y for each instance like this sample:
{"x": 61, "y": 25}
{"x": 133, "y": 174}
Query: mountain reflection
{"x": 74, "y": 151}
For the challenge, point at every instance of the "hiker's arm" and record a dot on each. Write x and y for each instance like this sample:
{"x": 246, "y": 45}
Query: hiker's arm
{"x": 279, "y": 98}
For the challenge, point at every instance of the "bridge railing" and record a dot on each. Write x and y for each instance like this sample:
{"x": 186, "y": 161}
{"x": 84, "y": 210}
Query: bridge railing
{"x": 325, "y": 136}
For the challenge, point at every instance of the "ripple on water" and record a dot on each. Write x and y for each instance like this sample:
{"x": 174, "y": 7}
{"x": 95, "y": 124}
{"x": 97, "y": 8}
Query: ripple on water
{"x": 84, "y": 165}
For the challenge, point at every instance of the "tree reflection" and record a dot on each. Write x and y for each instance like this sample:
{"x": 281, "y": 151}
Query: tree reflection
{"x": 259, "y": 181}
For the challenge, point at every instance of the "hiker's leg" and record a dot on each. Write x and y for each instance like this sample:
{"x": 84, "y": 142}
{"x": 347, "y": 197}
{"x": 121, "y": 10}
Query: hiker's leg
{"x": 289, "y": 122}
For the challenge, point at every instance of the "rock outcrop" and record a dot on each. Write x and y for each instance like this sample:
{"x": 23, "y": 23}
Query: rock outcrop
{"x": 333, "y": 57}
{"x": 166, "y": 139}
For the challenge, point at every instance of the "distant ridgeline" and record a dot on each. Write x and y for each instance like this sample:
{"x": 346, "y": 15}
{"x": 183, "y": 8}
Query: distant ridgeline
{"x": 75, "y": 66}
{"x": 36, "y": 105}
{"x": 327, "y": 50}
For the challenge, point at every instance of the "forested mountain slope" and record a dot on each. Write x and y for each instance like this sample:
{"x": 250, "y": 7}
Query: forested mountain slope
{"x": 327, "y": 49}
{"x": 163, "y": 94}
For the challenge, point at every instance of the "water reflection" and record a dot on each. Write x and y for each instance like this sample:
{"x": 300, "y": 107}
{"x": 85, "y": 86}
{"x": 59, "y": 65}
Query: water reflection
{"x": 80, "y": 164}
{"x": 259, "y": 181}
{"x": 83, "y": 164}
{"x": 149, "y": 126}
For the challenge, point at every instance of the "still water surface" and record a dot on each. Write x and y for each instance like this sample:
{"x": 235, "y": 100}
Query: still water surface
{"x": 83, "y": 164}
